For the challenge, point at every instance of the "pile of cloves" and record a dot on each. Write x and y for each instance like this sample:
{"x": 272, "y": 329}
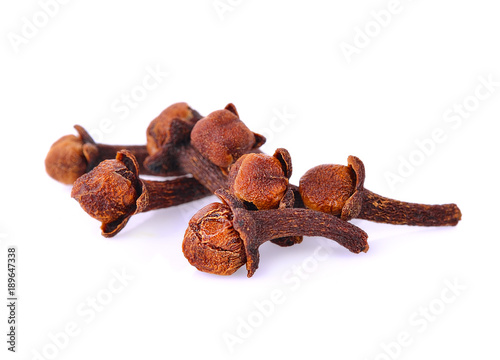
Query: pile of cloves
{"x": 218, "y": 154}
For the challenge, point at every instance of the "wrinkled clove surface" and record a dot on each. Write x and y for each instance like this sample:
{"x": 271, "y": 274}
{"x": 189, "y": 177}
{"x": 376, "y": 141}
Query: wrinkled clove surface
{"x": 205, "y": 149}
{"x": 223, "y": 138}
{"x": 261, "y": 182}
{"x": 222, "y": 237}
{"x": 339, "y": 190}
{"x": 72, "y": 156}
{"x": 165, "y": 130}
{"x": 112, "y": 192}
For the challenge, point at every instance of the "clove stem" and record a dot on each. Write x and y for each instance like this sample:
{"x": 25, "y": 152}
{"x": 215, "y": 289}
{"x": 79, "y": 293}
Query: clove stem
{"x": 202, "y": 169}
{"x": 164, "y": 194}
{"x": 106, "y": 152}
{"x": 381, "y": 209}
{"x": 264, "y": 225}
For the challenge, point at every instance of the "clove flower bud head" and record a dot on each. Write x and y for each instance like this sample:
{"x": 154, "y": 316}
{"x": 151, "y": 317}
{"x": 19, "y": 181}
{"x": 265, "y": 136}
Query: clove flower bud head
{"x": 160, "y": 130}
{"x": 326, "y": 188}
{"x": 66, "y": 160}
{"x": 222, "y": 137}
{"x": 211, "y": 243}
{"x": 258, "y": 179}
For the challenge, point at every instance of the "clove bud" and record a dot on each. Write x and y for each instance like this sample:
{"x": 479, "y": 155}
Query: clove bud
{"x": 259, "y": 179}
{"x": 261, "y": 182}
{"x": 222, "y": 137}
{"x": 222, "y": 237}
{"x": 339, "y": 190}
{"x": 198, "y": 149}
{"x": 72, "y": 156}
{"x": 112, "y": 192}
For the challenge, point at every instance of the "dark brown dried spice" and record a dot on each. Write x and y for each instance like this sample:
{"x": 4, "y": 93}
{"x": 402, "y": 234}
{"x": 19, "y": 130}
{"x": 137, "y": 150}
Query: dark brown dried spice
{"x": 220, "y": 238}
{"x": 159, "y": 132}
{"x": 211, "y": 243}
{"x": 72, "y": 156}
{"x": 222, "y": 137}
{"x": 258, "y": 179}
{"x": 339, "y": 190}
{"x": 112, "y": 192}
{"x": 179, "y": 152}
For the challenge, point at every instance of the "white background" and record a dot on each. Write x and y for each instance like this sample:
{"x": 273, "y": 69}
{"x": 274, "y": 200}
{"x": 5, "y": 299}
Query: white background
{"x": 267, "y": 58}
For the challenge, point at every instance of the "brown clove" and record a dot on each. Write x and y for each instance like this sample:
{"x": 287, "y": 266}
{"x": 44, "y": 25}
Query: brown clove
{"x": 72, "y": 156}
{"x": 112, "y": 192}
{"x": 261, "y": 182}
{"x": 205, "y": 149}
{"x": 339, "y": 190}
{"x": 222, "y": 237}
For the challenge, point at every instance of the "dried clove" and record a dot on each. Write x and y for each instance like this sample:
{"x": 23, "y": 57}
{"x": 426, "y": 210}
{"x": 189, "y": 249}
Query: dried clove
{"x": 161, "y": 130}
{"x": 72, "y": 156}
{"x": 231, "y": 139}
{"x": 222, "y": 136}
{"x": 112, "y": 192}
{"x": 339, "y": 190}
{"x": 260, "y": 181}
{"x": 222, "y": 237}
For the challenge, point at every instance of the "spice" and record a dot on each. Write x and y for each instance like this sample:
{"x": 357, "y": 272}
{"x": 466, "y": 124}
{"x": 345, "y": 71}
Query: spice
{"x": 222, "y": 137}
{"x": 72, "y": 156}
{"x": 184, "y": 150}
{"x": 260, "y": 181}
{"x": 162, "y": 130}
{"x": 339, "y": 190}
{"x": 112, "y": 192}
{"x": 222, "y": 237}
